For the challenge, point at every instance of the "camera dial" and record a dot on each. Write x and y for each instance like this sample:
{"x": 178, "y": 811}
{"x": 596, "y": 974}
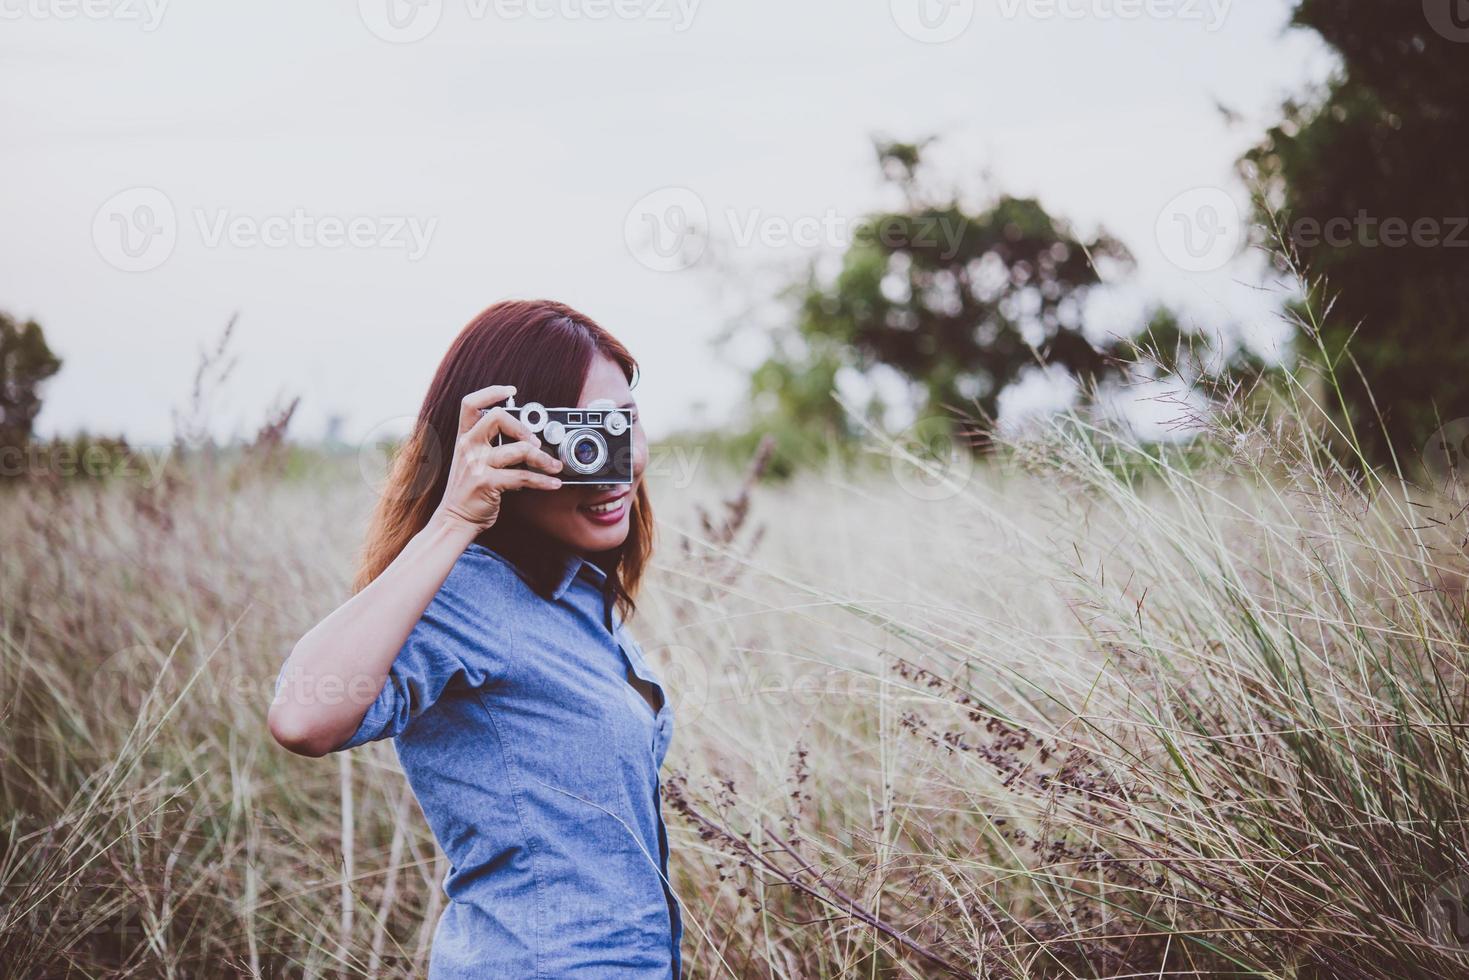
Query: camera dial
{"x": 535, "y": 416}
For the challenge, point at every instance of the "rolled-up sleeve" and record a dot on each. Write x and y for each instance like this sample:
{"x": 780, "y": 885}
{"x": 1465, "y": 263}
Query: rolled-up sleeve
{"x": 452, "y": 645}
{"x": 418, "y": 676}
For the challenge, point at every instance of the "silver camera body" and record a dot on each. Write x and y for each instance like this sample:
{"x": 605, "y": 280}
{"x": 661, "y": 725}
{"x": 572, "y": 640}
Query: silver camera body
{"x": 593, "y": 443}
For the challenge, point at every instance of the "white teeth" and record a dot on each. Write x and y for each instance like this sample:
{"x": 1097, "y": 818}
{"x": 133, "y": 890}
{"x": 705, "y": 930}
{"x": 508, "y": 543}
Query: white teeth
{"x": 606, "y": 508}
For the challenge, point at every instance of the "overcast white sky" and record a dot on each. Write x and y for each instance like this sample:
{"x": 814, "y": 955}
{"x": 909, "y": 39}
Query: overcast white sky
{"x": 517, "y": 136}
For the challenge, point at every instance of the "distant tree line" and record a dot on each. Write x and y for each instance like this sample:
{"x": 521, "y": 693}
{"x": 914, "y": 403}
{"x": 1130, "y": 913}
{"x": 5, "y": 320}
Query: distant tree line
{"x": 1362, "y": 190}
{"x": 26, "y": 364}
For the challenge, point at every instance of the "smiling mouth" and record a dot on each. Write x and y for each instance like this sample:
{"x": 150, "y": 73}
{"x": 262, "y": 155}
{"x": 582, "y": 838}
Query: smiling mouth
{"x": 606, "y": 510}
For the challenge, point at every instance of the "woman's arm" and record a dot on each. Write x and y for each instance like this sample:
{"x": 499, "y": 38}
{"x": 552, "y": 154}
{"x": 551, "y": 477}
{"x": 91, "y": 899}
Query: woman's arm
{"x": 337, "y": 670}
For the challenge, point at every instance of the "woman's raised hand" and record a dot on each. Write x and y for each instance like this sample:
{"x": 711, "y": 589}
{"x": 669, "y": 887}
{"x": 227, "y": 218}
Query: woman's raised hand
{"x": 481, "y": 471}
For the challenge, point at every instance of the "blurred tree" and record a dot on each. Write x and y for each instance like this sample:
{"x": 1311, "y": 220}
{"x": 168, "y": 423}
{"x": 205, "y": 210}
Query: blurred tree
{"x": 955, "y": 304}
{"x": 791, "y": 393}
{"x": 959, "y": 303}
{"x": 1365, "y": 185}
{"x": 1166, "y": 346}
{"x": 25, "y": 362}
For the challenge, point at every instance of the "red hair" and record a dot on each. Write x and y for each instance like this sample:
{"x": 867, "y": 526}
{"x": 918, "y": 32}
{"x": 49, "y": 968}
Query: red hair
{"x": 545, "y": 350}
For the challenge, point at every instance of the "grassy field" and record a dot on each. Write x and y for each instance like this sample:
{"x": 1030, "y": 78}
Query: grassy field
{"x": 1095, "y": 710}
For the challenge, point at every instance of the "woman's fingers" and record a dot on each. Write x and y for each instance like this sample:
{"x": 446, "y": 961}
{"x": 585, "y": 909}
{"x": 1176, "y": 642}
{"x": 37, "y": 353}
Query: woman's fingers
{"x": 514, "y": 453}
{"x": 495, "y": 422}
{"x": 473, "y": 403}
{"x": 524, "y": 479}
{"x": 500, "y": 467}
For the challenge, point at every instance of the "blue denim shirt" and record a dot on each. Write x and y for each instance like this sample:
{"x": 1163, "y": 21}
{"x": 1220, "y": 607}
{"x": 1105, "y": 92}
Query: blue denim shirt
{"x": 535, "y": 762}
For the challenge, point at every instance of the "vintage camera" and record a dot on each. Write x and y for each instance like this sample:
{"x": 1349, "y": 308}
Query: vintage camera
{"x": 593, "y": 443}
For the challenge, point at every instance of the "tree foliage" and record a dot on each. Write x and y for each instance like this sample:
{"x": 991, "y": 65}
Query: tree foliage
{"x": 25, "y": 363}
{"x": 957, "y": 303}
{"x": 1383, "y": 142}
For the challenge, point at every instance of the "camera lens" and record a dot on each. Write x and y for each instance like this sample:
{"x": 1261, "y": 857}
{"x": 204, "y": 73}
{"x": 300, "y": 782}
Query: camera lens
{"x": 584, "y": 451}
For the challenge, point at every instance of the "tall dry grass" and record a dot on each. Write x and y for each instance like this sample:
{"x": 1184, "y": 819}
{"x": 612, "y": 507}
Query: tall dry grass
{"x": 1099, "y": 709}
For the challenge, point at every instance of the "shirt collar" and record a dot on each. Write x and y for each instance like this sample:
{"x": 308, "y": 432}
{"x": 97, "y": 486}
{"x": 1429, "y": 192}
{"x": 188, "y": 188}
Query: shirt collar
{"x": 577, "y": 565}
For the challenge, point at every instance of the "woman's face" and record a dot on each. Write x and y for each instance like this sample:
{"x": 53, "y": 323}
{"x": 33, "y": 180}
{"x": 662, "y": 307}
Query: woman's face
{"x": 589, "y": 518}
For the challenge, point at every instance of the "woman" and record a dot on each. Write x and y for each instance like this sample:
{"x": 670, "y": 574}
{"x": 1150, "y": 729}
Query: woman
{"x": 486, "y": 638}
